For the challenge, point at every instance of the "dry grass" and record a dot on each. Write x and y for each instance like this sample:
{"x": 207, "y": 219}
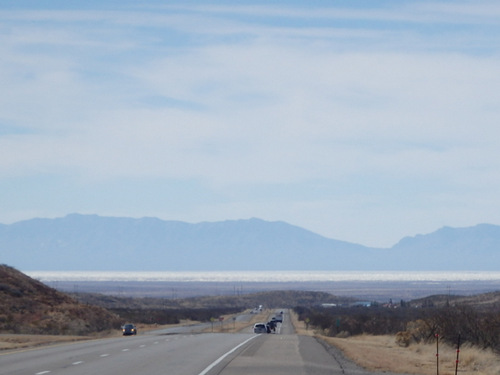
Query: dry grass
{"x": 16, "y": 341}
{"x": 300, "y": 326}
{"x": 382, "y": 354}
{"x": 231, "y": 326}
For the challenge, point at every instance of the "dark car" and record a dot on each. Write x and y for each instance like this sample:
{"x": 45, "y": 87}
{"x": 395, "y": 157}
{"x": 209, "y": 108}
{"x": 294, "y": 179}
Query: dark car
{"x": 129, "y": 329}
{"x": 272, "y": 326}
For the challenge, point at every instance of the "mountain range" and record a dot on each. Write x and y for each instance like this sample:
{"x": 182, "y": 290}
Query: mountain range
{"x": 92, "y": 242}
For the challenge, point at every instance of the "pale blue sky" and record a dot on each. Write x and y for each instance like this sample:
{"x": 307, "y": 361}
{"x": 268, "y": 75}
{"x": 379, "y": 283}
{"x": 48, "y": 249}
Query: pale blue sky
{"x": 358, "y": 121}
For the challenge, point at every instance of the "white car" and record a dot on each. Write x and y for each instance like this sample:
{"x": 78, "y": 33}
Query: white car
{"x": 260, "y": 328}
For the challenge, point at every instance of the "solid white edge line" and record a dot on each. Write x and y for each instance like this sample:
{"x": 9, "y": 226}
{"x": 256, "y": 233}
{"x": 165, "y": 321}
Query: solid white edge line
{"x": 217, "y": 361}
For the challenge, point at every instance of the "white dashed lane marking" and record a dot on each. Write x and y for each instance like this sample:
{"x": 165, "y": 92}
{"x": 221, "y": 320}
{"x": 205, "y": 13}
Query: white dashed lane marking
{"x": 102, "y": 356}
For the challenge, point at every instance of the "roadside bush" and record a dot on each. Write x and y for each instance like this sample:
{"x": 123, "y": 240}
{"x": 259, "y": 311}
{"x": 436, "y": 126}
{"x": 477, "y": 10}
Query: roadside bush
{"x": 343, "y": 335}
{"x": 420, "y": 330}
{"x": 403, "y": 339}
{"x": 355, "y": 320}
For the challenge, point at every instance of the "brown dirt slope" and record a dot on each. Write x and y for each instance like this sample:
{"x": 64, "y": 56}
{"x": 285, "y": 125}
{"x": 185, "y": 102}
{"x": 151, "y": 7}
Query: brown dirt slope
{"x": 29, "y": 306}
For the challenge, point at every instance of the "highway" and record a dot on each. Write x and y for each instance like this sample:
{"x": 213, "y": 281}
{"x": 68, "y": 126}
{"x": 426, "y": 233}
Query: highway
{"x": 184, "y": 353}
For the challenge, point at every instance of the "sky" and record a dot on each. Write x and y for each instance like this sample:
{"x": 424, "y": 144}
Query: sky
{"x": 361, "y": 121}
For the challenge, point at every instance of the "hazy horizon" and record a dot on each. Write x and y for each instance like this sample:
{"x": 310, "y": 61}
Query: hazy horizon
{"x": 374, "y": 286}
{"x": 265, "y": 276}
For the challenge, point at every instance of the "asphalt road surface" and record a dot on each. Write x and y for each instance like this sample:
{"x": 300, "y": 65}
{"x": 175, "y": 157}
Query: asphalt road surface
{"x": 187, "y": 353}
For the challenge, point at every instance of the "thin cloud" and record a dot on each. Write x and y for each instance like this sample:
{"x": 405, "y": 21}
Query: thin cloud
{"x": 352, "y": 122}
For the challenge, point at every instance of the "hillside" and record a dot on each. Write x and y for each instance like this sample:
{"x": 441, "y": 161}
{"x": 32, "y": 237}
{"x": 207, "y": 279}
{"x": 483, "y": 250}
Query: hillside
{"x": 484, "y": 301}
{"x": 91, "y": 242}
{"x": 28, "y": 306}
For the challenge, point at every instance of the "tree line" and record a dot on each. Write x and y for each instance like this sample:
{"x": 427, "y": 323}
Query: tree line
{"x": 171, "y": 316}
{"x": 478, "y": 327}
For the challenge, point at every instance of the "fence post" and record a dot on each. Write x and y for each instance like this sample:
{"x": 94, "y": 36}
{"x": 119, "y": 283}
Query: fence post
{"x": 437, "y": 353}
{"x": 458, "y": 352}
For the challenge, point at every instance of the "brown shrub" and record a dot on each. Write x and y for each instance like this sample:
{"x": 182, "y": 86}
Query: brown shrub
{"x": 403, "y": 338}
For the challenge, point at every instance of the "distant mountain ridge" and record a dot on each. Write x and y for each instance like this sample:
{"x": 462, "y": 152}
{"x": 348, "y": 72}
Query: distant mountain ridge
{"x": 92, "y": 242}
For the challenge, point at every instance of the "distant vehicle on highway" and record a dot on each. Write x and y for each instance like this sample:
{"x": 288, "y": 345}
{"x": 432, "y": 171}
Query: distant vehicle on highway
{"x": 129, "y": 329}
{"x": 257, "y": 310}
{"x": 260, "y": 328}
{"x": 277, "y": 319}
{"x": 272, "y": 326}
